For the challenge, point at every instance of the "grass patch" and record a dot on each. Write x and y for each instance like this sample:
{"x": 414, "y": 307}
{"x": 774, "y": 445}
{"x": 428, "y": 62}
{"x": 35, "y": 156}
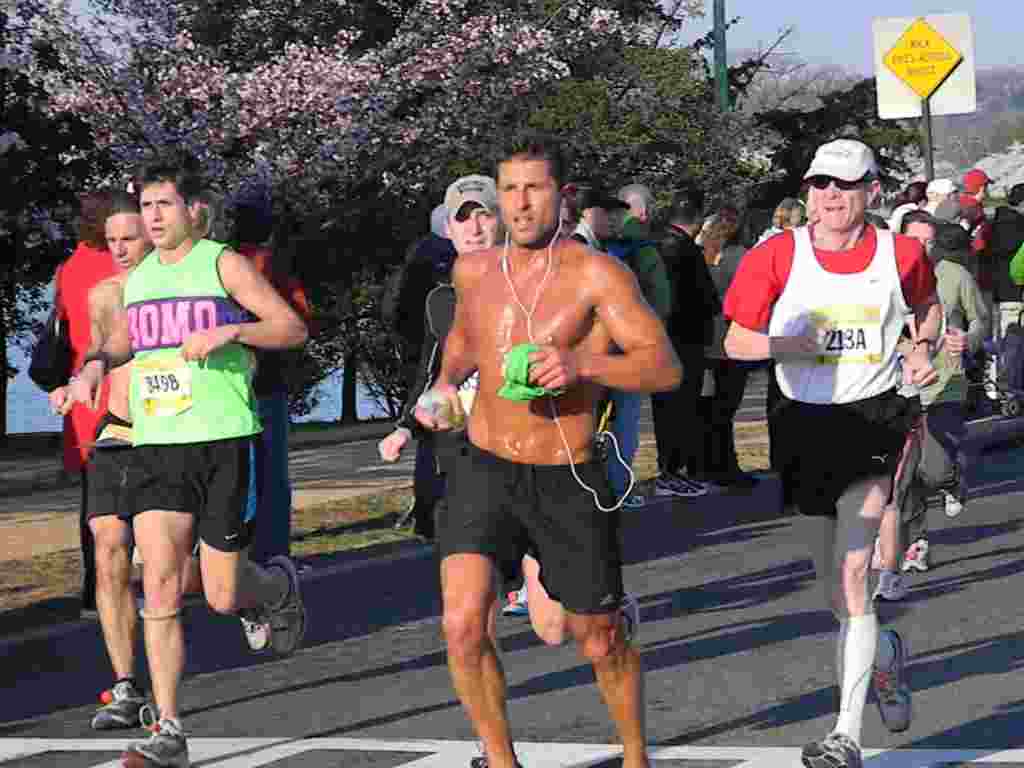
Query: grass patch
{"x": 45, "y": 588}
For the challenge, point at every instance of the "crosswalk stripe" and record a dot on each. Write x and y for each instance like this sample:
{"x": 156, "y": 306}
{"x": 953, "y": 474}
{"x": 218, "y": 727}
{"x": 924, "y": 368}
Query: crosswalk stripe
{"x": 253, "y": 753}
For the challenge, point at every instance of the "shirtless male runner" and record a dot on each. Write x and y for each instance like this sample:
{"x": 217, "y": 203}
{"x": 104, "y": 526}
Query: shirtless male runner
{"x": 108, "y": 520}
{"x": 193, "y": 309}
{"x": 527, "y": 472}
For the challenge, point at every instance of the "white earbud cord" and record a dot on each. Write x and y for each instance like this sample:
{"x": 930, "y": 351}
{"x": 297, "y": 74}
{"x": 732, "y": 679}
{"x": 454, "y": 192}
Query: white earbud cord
{"x": 528, "y": 313}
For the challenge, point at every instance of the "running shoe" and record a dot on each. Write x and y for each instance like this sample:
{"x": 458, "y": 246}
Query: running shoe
{"x": 165, "y": 747}
{"x": 954, "y": 505}
{"x": 891, "y": 587}
{"x": 916, "y": 557}
{"x": 121, "y": 705}
{"x": 837, "y": 750}
{"x": 634, "y": 501}
{"x": 288, "y": 620}
{"x": 481, "y": 762}
{"x": 891, "y": 690}
{"x": 669, "y": 484}
{"x": 630, "y": 609}
{"x": 257, "y": 629}
{"x": 515, "y": 604}
{"x": 406, "y": 517}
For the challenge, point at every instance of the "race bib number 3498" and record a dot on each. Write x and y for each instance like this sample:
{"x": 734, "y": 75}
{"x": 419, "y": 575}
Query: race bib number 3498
{"x": 164, "y": 387}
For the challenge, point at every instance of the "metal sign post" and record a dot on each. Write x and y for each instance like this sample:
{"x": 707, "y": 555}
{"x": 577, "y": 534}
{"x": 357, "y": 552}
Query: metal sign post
{"x": 929, "y": 147}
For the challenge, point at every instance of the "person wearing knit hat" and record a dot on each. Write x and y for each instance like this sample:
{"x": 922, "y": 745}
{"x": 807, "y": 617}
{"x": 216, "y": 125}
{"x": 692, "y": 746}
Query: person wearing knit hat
{"x": 976, "y": 184}
{"x": 937, "y": 192}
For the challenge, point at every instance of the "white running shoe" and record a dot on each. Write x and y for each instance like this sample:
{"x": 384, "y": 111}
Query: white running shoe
{"x": 916, "y": 556}
{"x": 954, "y": 506}
{"x": 256, "y": 626}
{"x": 515, "y": 604}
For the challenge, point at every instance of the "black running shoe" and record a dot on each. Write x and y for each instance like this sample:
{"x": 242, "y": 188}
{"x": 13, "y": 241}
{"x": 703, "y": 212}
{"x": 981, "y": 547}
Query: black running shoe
{"x": 481, "y": 762}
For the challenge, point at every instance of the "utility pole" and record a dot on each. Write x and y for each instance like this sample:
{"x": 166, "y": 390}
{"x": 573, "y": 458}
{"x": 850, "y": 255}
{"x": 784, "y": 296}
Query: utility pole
{"x": 721, "y": 66}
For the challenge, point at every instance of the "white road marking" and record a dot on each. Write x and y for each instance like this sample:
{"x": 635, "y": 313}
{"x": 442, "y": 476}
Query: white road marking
{"x": 252, "y": 753}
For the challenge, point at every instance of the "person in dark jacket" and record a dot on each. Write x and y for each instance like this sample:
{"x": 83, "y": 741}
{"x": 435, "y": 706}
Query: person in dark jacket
{"x": 1007, "y": 239}
{"x": 475, "y": 199}
{"x": 695, "y": 304}
{"x": 722, "y": 253}
{"x": 428, "y": 264}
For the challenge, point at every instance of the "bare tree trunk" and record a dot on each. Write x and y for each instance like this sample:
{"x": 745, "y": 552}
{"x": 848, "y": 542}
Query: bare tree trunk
{"x": 4, "y": 381}
{"x": 348, "y": 391}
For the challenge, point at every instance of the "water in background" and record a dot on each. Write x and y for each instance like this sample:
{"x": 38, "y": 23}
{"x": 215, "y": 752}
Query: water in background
{"x": 28, "y": 409}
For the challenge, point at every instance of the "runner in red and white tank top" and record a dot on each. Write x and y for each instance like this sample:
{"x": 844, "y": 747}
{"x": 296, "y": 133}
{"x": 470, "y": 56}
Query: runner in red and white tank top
{"x": 827, "y": 304}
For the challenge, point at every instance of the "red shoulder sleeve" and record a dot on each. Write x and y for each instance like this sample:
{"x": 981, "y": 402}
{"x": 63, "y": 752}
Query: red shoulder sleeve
{"x": 917, "y": 275}
{"x": 759, "y": 281}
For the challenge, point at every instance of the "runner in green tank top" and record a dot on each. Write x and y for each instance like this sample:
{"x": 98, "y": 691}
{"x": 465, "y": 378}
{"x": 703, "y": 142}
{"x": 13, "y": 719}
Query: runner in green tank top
{"x": 193, "y": 310}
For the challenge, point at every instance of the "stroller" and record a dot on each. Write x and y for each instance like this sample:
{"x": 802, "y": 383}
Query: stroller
{"x": 1005, "y": 393}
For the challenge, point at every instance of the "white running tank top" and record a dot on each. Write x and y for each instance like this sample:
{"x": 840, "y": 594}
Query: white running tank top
{"x": 859, "y": 318}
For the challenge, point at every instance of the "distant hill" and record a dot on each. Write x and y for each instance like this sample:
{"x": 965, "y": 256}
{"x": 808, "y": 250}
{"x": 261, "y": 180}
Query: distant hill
{"x": 962, "y": 140}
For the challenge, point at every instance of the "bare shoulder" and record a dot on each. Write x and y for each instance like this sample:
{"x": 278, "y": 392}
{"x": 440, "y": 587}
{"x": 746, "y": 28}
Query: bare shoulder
{"x": 471, "y": 267}
{"x": 598, "y": 268}
{"x": 108, "y": 292}
{"x": 232, "y": 260}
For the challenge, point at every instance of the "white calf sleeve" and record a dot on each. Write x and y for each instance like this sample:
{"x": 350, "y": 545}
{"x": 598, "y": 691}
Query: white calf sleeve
{"x": 857, "y": 647}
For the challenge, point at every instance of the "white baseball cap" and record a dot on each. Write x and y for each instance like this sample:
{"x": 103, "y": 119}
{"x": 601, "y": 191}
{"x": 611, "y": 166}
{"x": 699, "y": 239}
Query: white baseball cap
{"x": 471, "y": 189}
{"x": 846, "y": 159}
{"x": 940, "y": 187}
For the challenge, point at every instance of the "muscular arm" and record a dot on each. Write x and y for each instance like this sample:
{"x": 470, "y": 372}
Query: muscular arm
{"x": 108, "y": 324}
{"x": 279, "y": 325}
{"x": 648, "y": 362}
{"x": 459, "y": 361}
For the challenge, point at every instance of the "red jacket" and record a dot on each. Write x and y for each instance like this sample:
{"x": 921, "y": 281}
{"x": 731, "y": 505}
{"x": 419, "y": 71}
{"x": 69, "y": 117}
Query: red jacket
{"x": 86, "y": 267}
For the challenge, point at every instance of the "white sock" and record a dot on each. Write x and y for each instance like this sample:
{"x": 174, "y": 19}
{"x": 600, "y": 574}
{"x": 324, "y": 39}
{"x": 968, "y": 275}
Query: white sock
{"x": 858, "y": 652}
{"x": 844, "y": 627}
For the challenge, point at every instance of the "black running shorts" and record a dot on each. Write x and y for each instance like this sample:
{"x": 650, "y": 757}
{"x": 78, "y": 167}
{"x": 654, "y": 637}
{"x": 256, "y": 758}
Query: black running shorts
{"x": 107, "y": 491}
{"x": 214, "y": 481}
{"x": 821, "y": 450}
{"x": 503, "y": 509}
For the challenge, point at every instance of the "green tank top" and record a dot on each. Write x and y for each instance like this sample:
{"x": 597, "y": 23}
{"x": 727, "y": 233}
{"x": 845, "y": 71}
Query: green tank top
{"x": 174, "y": 401}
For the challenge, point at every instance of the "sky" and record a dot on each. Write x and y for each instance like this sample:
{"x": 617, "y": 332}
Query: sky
{"x": 839, "y": 31}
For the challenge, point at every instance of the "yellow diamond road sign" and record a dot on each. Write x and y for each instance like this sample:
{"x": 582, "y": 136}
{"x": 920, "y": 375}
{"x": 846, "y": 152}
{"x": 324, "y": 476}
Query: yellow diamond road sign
{"x": 922, "y": 58}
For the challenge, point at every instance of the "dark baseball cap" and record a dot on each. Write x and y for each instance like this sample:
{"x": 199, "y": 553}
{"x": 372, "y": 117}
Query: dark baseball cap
{"x": 595, "y": 196}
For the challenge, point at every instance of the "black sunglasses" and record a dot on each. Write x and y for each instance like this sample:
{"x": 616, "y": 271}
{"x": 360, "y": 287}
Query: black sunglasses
{"x": 822, "y": 182}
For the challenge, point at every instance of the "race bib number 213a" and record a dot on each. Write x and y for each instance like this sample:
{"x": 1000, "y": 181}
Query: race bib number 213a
{"x": 849, "y": 333}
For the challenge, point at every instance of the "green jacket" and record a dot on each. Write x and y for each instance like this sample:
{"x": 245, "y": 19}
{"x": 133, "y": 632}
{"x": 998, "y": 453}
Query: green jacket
{"x": 959, "y": 294}
{"x": 1017, "y": 267}
{"x": 648, "y": 267}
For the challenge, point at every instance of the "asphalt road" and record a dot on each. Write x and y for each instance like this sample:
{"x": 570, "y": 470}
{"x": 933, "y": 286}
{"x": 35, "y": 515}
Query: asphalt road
{"x": 738, "y": 652}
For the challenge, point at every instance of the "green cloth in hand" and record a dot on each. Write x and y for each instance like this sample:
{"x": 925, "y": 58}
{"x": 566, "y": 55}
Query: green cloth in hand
{"x": 517, "y": 376}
